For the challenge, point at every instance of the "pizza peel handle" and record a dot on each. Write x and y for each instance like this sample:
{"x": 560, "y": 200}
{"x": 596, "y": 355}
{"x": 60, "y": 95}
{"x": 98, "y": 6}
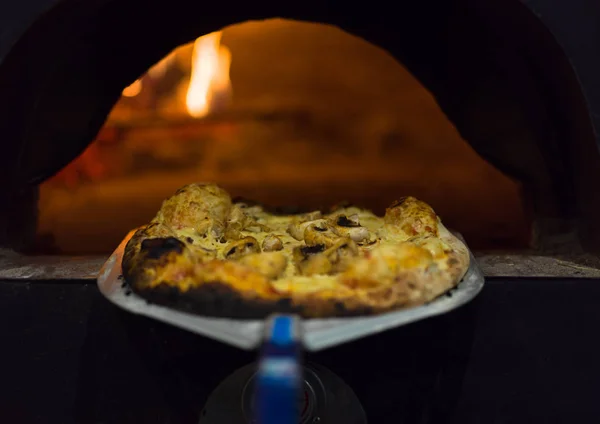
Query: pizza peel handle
{"x": 279, "y": 377}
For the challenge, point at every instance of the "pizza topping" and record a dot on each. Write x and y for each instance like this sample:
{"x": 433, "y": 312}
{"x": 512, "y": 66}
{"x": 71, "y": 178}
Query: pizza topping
{"x": 242, "y": 247}
{"x": 433, "y": 244}
{"x": 269, "y": 264}
{"x": 316, "y": 259}
{"x": 351, "y": 221}
{"x": 310, "y": 250}
{"x": 344, "y": 247}
{"x": 319, "y": 233}
{"x": 232, "y": 234}
{"x": 236, "y": 222}
{"x": 411, "y": 217}
{"x": 297, "y": 228}
{"x": 203, "y": 207}
{"x": 203, "y": 253}
{"x": 239, "y": 220}
{"x": 385, "y": 263}
{"x": 315, "y": 264}
{"x": 272, "y": 243}
{"x": 310, "y": 260}
{"x": 341, "y": 254}
{"x": 155, "y": 248}
{"x": 350, "y": 228}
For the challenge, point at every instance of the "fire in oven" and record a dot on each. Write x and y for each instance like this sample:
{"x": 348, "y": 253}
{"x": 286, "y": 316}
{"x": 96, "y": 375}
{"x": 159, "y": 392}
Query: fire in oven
{"x": 315, "y": 213}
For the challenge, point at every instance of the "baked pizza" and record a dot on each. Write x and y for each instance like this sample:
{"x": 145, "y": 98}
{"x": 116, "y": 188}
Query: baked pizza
{"x": 206, "y": 254}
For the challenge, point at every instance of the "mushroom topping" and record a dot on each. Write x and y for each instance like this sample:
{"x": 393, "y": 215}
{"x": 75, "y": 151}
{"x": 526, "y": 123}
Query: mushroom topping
{"x": 296, "y": 229}
{"x": 344, "y": 226}
{"x": 272, "y": 243}
{"x": 242, "y": 247}
{"x": 269, "y": 264}
{"x": 301, "y": 253}
{"x": 319, "y": 233}
{"x": 317, "y": 259}
{"x": 238, "y": 220}
{"x": 350, "y": 221}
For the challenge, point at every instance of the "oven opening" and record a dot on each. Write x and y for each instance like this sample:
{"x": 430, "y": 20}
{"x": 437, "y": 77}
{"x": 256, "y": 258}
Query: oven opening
{"x": 287, "y": 113}
{"x": 488, "y": 111}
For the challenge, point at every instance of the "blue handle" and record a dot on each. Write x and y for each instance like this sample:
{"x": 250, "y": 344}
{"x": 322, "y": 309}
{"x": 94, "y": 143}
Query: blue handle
{"x": 279, "y": 377}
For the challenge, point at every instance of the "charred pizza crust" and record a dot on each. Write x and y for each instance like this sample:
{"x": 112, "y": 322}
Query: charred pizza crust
{"x": 207, "y": 255}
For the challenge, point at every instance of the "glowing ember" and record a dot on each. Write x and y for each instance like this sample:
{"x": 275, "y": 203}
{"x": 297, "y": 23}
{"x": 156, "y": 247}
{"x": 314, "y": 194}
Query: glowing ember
{"x": 210, "y": 85}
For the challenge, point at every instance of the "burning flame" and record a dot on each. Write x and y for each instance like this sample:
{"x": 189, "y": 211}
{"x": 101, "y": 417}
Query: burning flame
{"x": 209, "y": 86}
{"x": 209, "y": 82}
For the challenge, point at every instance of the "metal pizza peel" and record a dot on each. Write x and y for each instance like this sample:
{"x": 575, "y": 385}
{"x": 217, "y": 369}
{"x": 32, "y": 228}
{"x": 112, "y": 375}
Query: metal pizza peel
{"x": 316, "y": 334}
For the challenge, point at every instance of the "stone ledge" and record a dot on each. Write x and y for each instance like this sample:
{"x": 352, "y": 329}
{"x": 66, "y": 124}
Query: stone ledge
{"x": 14, "y": 266}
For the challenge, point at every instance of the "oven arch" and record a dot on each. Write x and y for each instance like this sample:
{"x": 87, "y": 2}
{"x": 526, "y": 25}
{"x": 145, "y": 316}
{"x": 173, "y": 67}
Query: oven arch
{"x": 59, "y": 84}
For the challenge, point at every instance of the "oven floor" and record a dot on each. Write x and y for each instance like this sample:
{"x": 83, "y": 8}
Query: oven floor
{"x": 524, "y": 351}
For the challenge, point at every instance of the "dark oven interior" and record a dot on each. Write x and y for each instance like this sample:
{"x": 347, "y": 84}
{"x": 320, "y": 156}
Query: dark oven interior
{"x": 486, "y": 110}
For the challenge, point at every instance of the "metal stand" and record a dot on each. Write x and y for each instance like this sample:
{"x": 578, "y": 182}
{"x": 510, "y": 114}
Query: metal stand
{"x": 280, "y": 389}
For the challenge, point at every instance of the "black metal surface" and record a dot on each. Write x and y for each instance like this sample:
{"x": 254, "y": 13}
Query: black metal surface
{"x": 524, "y": 351}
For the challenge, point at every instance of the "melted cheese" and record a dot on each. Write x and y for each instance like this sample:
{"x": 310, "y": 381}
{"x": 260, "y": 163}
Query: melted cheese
{"x": 225, "y": 239}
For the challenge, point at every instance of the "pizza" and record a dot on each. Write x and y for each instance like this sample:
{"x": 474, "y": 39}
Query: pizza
{"x": 207, "y": 254}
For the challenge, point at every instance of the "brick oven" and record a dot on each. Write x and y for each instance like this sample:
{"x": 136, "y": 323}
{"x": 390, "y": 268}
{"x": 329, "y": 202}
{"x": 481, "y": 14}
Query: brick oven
{"x": 487, "y": 110}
